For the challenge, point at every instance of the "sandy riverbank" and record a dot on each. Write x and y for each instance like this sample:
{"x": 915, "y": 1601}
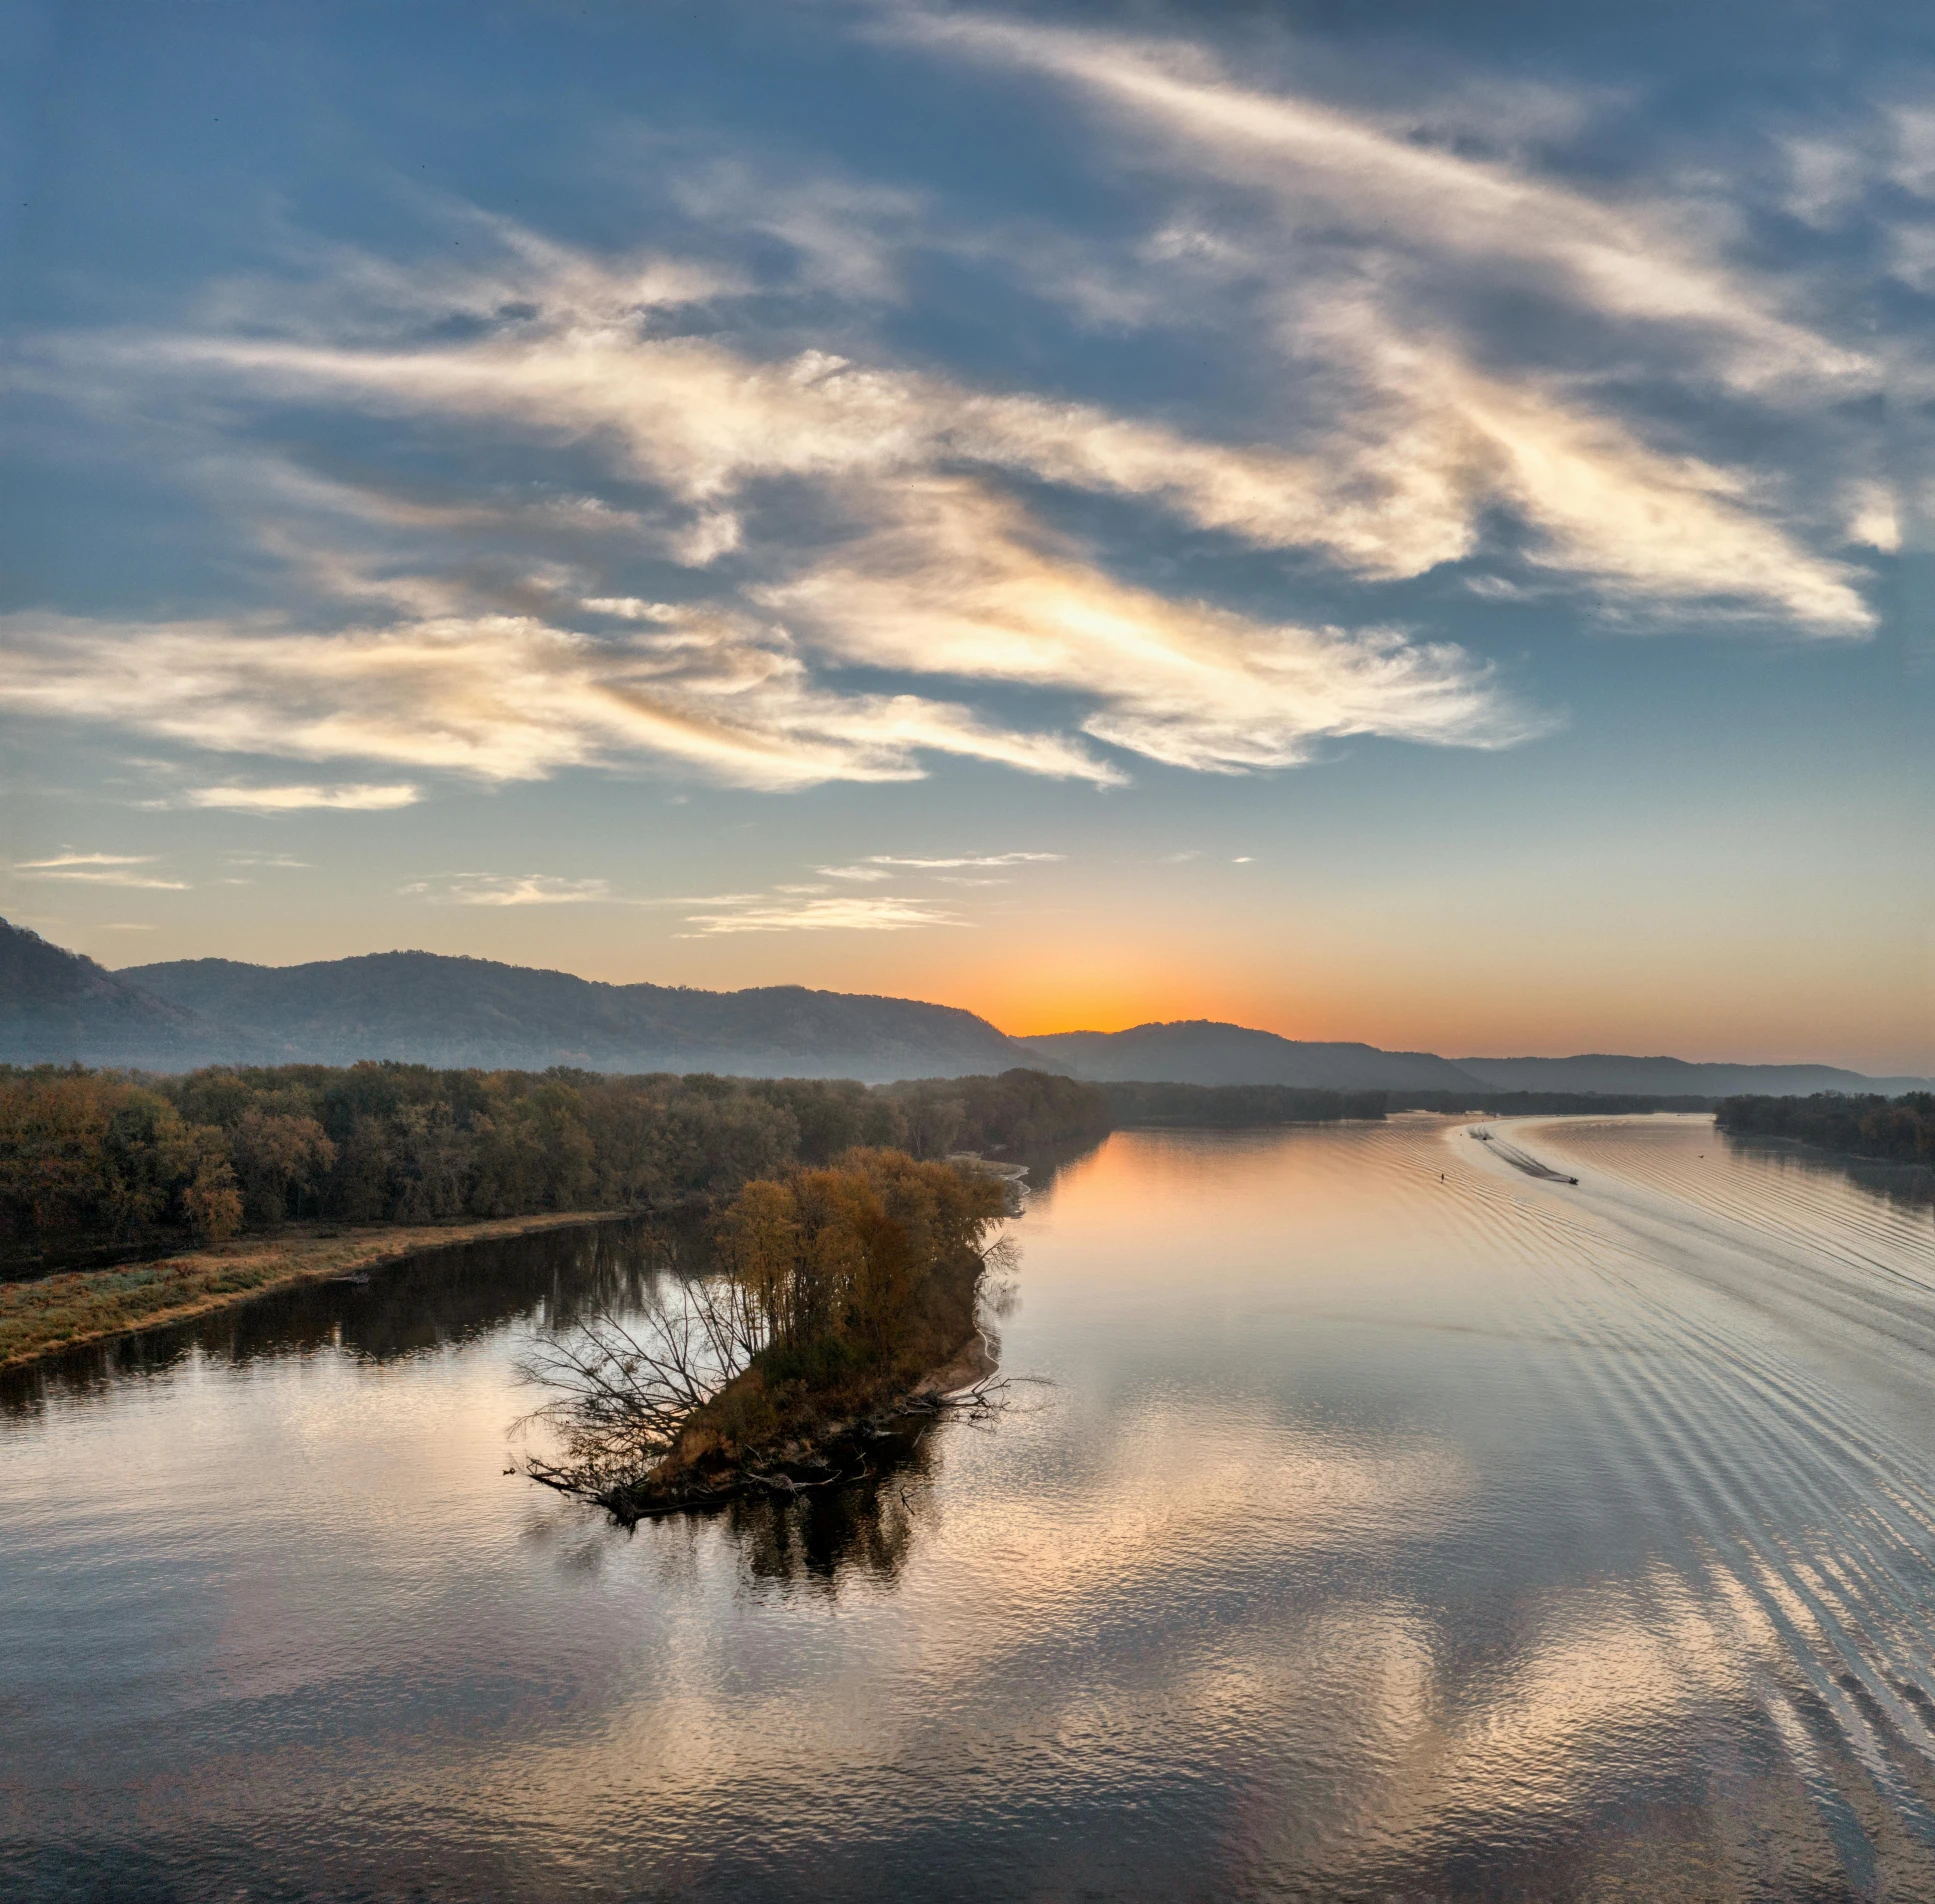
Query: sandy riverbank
{"x": 64, "y": 1311}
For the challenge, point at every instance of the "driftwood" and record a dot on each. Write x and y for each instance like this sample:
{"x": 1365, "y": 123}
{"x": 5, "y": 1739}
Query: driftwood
{"x": 837, "y": 1457}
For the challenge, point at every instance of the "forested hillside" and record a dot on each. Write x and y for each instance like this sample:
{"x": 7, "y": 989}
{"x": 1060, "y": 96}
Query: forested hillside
{"x": 1234, "y": 1106}
{"x": 61, "y": 1006}
{"x": 428, "y": 1009}
{"x": 1200, "y": 1051}
{"x": 1605, "y": 1074}
{"x": 423, "y": 1008}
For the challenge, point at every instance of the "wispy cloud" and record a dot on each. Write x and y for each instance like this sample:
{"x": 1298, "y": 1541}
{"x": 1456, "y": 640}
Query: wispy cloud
{"x": 850, "y": 235}
{"x": 510, "y": 889}
{"x": 817, "y": 906}
{"x": 1320, "y": 165}
{"x": 1385, "y": 490}
{"x": 356, "y": 798}
{"x": 506, "y": 697}
{"x": 846, "y": 912}
{"x": 100, "y": 869}
{"x": 970, "y": 859}
{"x": 872, "y": 578}
{"x": 962, "y": 587}
{"x": 1364, "y": 252}
{"x": 630, "y": 608}
{"x": 63, "y": 860}
{"x": 880, "y": 866}
{"x": 720, "y": 686}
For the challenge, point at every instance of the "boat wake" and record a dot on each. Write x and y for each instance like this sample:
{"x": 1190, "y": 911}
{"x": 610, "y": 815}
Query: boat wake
{"x": 1520, "y": 1159}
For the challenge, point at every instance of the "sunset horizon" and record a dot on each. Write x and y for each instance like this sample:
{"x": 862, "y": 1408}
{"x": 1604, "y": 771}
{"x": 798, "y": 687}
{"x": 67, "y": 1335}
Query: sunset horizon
{"x": 967, "y": 949}
{"x": 1383, "y": 538}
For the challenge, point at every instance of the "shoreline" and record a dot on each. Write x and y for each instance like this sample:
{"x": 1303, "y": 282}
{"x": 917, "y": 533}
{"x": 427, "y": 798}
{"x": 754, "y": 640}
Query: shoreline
{"x": 49, "y": 1314}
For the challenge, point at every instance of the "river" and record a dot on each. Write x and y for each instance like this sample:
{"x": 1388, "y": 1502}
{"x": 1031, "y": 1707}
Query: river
{"x": 1374, "y": 1519}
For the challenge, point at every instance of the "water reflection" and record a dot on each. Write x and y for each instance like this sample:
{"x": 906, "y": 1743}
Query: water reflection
{"x": 1046, "y": 1164}
{"x": 1395, "y": 1525}
{"x": 439, "y": 1299}
{"x": 1908, "y": 1186}
{"x": 864, "y": 1528}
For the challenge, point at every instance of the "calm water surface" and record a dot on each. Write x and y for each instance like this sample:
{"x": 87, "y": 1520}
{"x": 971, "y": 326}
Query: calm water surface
{"x": 1373, "y": 1531}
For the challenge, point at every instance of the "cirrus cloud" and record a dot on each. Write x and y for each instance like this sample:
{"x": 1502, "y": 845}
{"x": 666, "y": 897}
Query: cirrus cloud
{"x": 361, "y": 797}
{"x": 509, "y": 889}
{"x": 841, "y": 912}
{"x": 100, "y": 869}
{"x": 818, "y": 563}
{"x": 503, "y": 698}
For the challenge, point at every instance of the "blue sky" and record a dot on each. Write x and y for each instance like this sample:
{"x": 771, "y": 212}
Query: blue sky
{"x": 1395, "y": 522}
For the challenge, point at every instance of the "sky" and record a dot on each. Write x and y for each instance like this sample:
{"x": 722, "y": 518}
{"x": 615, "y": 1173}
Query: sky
{"x": 1399, "y": 522}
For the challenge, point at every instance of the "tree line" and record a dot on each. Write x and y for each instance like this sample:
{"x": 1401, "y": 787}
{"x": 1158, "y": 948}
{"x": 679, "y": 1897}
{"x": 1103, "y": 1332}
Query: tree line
{"x": 1893, "y": 1130}
{"x": 1235, "y": 1106}
{"x": 101, "y": 1161}
{"x": 95, "y": 1164}
{"x": 1545, "y": 1103}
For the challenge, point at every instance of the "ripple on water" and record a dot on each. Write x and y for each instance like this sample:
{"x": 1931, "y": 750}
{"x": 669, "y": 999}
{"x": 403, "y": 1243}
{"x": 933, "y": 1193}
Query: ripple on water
{"x": 1387, "y": 1521}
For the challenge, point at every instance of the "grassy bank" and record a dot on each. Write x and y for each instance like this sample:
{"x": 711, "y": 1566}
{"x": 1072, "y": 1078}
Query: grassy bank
{"x": 64, "y": 1311}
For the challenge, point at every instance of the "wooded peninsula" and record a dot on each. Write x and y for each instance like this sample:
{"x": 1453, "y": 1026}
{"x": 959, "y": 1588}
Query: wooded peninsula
{"x": 1897, "y": 1130}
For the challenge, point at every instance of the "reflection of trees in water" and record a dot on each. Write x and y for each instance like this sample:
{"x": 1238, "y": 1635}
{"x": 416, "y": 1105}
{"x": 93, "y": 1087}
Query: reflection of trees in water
{"x": 1906, "y": 1186}
{"x": 826, "y": 1534}
{"x": 457, "y": 1294}
{"x": 419, "y": 1306}
{"x": 1045, "y": 1165}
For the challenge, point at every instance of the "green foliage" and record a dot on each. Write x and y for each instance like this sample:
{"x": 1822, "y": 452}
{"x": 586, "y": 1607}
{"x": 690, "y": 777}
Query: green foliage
{"x": 1897, "y": 1130}
{"x": 86, "y": 1154}
{"x": 832, "y": 1117}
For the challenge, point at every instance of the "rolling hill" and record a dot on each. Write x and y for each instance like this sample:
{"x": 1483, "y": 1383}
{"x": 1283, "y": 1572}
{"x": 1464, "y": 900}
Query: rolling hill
{"x": 458, "y": 1011}
{"x": 1199, "y": 1051}
{"x": 1673, "y": 1077}
{"x": 62, "y": 1007}
{"x": 58, "y": 1006}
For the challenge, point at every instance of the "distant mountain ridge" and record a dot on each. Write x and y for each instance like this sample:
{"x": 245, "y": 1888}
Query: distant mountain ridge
{"x": 460, "y": 1011}
{"x": 1672, "y": 1077}
{"x": 426, "y": 1008}
{"x": 62, "y": 1007}
{"x": 1201, "y": 1051}
{"x": 59, "y": 1006}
